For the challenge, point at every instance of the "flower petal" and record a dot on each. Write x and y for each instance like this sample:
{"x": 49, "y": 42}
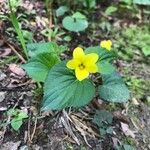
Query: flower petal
{"x": 110, "y": 42}
{"x": 81, "y": 74}
{"x": 72, "y": 64}
{"x": 91, "y": 58}
{"x": 78, "y": 53}
{"x": 92, "y": 68}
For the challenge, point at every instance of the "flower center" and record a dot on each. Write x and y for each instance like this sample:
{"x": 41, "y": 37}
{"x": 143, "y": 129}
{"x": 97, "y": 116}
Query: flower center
{"x": 81, "y": 66}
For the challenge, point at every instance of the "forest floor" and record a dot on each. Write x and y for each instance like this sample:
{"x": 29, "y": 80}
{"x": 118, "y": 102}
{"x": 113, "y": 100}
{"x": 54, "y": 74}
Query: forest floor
{"x": 73, "y": 129}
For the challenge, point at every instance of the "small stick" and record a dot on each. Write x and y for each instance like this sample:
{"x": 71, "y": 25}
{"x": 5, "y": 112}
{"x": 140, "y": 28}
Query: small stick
{"x": 29, "y": 122}
{"x": 50, "y": 15}
{"x": 20, "y": 57}
{"x": 34, "y": 129}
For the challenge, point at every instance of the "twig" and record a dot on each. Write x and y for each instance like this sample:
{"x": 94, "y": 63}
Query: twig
{"x": 49, "y": 11}
{"x": 29, "y": 122}
{"x": 20, "y": 57}
{"x": 105, "y": 16}
{"x": 34, "y": 129}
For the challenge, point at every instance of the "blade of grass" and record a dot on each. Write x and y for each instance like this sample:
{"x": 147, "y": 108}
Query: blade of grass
{"x": 15, "y": 23}
{"x": 8, "y": 59}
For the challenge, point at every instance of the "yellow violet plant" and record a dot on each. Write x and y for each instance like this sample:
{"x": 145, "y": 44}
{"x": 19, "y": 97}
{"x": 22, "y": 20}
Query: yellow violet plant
{"x": 83, "y": 64}
{"x": 107, "y": 44}
{"x": 69, "y": 83}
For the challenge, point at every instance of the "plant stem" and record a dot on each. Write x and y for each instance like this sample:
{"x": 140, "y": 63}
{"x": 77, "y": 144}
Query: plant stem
{"x": 15, "y": 23}
{"x": 48, "y": 4}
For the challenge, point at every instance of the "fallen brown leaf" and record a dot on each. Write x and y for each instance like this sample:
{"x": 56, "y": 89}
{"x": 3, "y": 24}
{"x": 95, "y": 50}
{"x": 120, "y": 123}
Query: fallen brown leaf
{"x": 5, "y": 52}
{"x": 119, "y": 116}
{"x": 17, "y": 70}
{"x": 126, "y": 130}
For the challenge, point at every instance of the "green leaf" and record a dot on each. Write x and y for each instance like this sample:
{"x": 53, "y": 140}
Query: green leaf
{"x": 61, "y": 10}
{"x": 67, "y": 38}
{"x": 39, "y": 66}
{"x": 22, "y": 115}
{"x": 113, "y": 88}
{"x": 102, "y": 117}
{"x": 49, "y": 47}
{"x": 89, "y": 3}
{"x": 146, "y": 50}
{"x": 62, "y": 89}
{"x": 128, "y": 147}
{"x": 142, "y": 2}
{"x": 105, "y": 67}
{"x": 78, "y": 15}
{"x": 74, "y": 24}
{"x": 16, "y": 124}
{"x": 102, "y": 131}
{"x": 110, "y": 10}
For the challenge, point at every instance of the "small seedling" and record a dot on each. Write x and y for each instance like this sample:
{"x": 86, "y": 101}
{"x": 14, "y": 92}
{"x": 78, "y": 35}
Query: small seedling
{"x": 17, "y": 117}
{"x": 103, "y": 119}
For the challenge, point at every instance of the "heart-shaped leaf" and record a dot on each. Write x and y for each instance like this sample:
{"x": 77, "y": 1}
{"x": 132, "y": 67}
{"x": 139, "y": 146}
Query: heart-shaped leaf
{"x": 61, "y": 10}
{"x": 74, "y": 24}
{"x": 62, "y": 89}
{"x": 113, "y": 88}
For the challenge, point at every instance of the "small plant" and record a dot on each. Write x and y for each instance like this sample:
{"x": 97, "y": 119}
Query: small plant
{"x": 103, "y": 119}
{"x": 53, "y": 34}
{"x": 61, "y": 10}
{"x": 17, "y": 117}
{"x": 69, "y": 83}
{"x": 76, "y": 23}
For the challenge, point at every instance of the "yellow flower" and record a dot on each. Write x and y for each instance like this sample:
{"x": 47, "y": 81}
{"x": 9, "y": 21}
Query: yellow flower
{"x": 106, "y": 44}
{"x": 83, "y": 64}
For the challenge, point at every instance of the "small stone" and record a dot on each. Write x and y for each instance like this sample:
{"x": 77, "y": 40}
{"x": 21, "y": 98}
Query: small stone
{"x": 25, "y": 147}
{"x": 135, "y": 102}
{"x": 2, "y": 75}
{"x": 11, "y": 145}
{"x": 2, "y": 96}
{"x": 3, "y": 108}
